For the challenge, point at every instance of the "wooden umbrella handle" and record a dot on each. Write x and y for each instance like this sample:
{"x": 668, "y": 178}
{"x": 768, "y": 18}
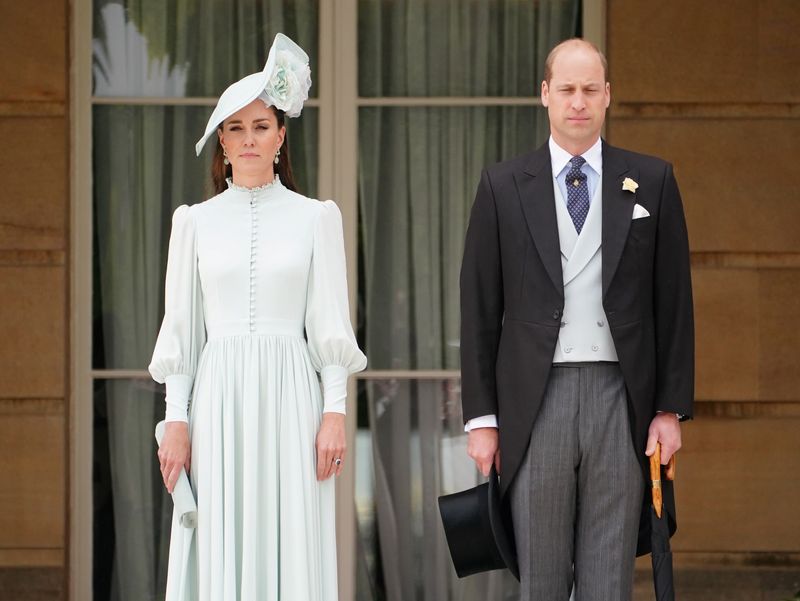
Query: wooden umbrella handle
{"x": 670, "y": 472}
{"x": 655, "y": 476}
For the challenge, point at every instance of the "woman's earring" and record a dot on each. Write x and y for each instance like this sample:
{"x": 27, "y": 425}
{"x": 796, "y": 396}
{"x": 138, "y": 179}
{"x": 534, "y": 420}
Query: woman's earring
{"x": 277, "y": 154}
{"x": 225, "y": 154}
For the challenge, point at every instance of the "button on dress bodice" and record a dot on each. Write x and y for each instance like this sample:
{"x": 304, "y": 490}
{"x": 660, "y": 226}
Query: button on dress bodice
{"x": 253, "y": 257}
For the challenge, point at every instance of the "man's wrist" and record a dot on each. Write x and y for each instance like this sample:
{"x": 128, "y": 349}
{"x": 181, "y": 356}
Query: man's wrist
{"x": 484, "y": 421}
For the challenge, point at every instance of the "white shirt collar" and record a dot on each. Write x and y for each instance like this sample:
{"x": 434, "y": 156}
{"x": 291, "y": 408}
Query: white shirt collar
{"x": 559, "y": 158}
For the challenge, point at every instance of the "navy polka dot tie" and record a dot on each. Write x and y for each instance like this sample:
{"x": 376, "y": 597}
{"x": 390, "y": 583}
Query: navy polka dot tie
{"x": 577, "y": 193}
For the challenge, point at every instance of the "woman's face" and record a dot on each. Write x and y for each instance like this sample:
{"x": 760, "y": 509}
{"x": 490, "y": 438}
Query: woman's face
{"x": 251, "y": 138}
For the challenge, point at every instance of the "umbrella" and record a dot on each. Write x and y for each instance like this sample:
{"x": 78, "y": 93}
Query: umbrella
{"x": 659, "y": 530}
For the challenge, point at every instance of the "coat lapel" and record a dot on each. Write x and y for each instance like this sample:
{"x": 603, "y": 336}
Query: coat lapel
{"x": 535, "y": 189}
{"x": 617, "y": 210}
{"x": 567, "y": 236}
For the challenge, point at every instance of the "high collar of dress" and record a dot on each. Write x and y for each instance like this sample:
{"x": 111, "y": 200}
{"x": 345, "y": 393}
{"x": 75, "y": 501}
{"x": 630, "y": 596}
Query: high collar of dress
{"x": 256, "y": 191}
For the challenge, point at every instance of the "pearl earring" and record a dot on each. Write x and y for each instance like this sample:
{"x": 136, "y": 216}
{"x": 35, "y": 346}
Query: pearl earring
{"x": 277, "y": 154}
{"x": 225, "y": 154}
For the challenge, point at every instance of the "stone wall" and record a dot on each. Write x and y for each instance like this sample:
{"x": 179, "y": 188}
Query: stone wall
{"x": 33, "y": 296}
{"x": 712, "y": 87}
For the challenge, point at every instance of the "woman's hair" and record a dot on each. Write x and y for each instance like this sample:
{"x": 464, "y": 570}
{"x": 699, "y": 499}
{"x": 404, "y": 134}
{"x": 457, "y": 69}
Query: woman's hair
{"x": 220, "y": 171}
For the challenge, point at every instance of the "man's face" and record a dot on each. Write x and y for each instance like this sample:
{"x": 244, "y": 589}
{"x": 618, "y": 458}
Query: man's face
{"x": 576, "y": 98}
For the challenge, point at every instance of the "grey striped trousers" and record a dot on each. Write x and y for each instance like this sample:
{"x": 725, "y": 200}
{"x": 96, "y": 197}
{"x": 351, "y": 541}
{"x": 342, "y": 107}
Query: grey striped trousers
{"x": 577, "y": 497}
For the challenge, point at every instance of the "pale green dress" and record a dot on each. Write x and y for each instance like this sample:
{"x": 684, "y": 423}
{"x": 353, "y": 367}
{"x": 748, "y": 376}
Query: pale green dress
{"x": 256, "y": 308}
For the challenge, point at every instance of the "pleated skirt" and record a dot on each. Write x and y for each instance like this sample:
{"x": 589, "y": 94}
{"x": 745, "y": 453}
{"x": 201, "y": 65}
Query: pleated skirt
{"x": 265, "y": 525}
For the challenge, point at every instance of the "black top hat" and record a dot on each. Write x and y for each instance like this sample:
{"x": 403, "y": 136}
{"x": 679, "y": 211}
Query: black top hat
{"x": 476, "y": 525}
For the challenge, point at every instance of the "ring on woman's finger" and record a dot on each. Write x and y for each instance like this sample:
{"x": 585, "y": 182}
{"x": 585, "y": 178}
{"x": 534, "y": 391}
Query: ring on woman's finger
{"x": 338, "y": 461}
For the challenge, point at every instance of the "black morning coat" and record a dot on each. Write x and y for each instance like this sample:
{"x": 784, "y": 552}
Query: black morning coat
{"x": 512, "y": 297}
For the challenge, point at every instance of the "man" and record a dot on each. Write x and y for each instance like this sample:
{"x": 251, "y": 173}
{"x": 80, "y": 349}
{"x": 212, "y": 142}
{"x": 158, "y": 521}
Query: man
{"x": 577, "y": 341}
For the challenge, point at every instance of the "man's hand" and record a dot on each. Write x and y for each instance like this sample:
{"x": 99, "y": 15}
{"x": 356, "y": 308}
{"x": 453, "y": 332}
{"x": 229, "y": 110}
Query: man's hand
{"x": 482, "y": 447}
{"x": 666, "y": 429}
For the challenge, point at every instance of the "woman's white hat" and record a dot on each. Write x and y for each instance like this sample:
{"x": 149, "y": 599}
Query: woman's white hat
{"x": 283, "y": 83}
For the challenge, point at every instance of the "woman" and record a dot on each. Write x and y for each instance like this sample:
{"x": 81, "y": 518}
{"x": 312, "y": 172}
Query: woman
{"x": 248, "y": 271}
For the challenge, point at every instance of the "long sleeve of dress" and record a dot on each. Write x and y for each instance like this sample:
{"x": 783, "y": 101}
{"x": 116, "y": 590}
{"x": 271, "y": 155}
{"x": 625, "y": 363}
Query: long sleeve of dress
{"x": 182, "y": 335}
{"x": 331, "y": 342}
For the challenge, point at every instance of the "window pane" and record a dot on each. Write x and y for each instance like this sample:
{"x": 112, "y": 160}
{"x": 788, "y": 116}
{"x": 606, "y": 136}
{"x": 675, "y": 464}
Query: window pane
{"x": 144, "y": 167}
{"x": 132, "y": 511}
{"x": 192, "y": 47}
{"x": 411, "y": 450}
{"x": 458, "y": 47}
{"x": 418, "y": 172}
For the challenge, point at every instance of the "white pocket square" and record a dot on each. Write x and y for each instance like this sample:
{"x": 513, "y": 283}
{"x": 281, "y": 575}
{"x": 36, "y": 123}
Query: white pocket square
{"x": 639, "y": 211}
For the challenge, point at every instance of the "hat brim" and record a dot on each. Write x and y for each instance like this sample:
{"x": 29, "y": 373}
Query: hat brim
{"x": 233, "y": 99}
{"x": 501, "y": 528}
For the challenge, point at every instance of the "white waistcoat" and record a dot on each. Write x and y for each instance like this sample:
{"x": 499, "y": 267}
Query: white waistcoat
{"x": 584, "y": 334}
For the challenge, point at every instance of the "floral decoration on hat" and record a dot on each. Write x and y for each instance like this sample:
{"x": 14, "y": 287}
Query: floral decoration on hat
{"x": 287, "y": 88}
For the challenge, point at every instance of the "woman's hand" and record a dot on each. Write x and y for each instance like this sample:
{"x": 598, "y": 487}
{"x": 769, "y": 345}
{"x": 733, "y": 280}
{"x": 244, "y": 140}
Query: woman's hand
{"x": 174, "y": 453}
{"x": 331, "y": 445}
